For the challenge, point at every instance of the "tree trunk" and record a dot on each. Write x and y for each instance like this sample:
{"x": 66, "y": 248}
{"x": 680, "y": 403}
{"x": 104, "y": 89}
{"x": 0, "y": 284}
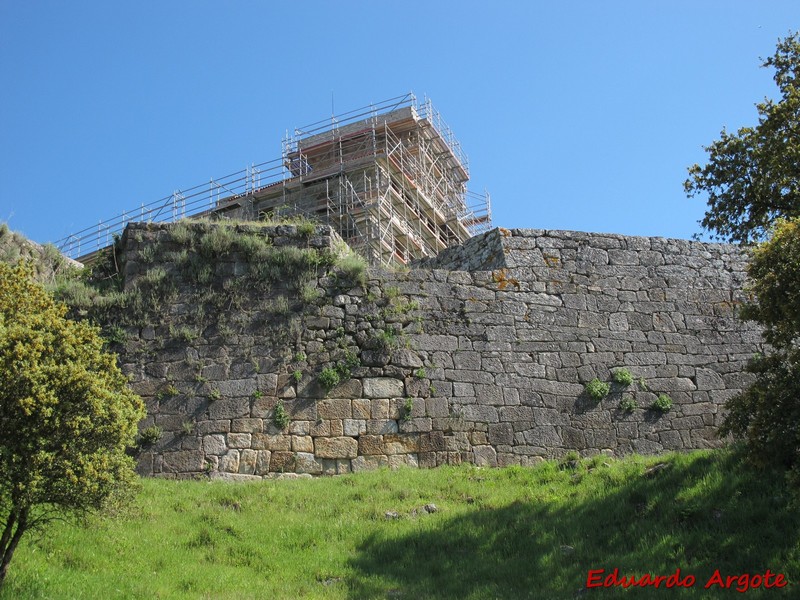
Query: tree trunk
{"x": 8, "y": 543}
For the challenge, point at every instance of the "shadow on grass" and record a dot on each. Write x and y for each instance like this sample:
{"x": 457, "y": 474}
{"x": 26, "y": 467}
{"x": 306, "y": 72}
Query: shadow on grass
{"x": 700, "y": 514}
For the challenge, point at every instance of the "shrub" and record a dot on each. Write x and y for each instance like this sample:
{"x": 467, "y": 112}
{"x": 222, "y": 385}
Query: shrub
{"x": 306, "y": 228}
{"x": 309, "y": 293}
{"x": 182, "y": 233}
{"x": 597, "y": 390}
{"x": 628, "y": 404}
{"x": 662, "y": 403}
{"x": 150, "y": 435}
{"x": 114, "y": 334}
{"x": 408, "y": 408}
{"x": 218, "y": 241}
{"x": 280, "y": 418}
{"x": 623, "y": 376}
{"x": 353, "y": 269}
{"x": 329, "y": 378}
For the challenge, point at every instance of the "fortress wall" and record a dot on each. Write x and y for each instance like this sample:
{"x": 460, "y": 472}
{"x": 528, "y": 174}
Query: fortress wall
{"x": 482, "y": 366}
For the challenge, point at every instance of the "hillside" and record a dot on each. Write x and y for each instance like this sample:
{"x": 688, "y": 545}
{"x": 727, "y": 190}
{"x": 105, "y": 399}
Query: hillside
{"x": 513, "y": 533}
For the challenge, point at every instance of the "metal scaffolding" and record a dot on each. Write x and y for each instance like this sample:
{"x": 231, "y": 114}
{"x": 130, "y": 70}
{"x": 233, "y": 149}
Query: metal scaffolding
{"x": 389, "y": 178}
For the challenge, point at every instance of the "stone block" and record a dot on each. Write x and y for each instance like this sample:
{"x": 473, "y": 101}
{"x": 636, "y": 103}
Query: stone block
{"x": 229, "y": 408}
{"x": 305, "y": 462}
{"x": 354, "y": 427}
{"x": 229, "y": 462}
{"x": 501, "y": 433}
{"x": 239, "y": 440}
{"x": 368, "y": 463}
{"x": 370, "y": 444}
{"x": 380, "y": 409}
{"x": 484, "y": 456}
{"x": 709, "y": 380}
{"x": 334, "y": 409}
{"x": 361, "y": 409}
{"x": 233, "y": 388}
{"x": 302, "y": 443}
{"x": 247, "y": 462}
{"x": 262, "y": 462}
{"x": 183, "y": 461}
{"x": 381, "y": 426}
{"x": 320, "y": 428}
{"x": 265, "y": 441}
{"x": 400, "y": 443}
{"x": 302, "y": 409}
{"x": 261, "y": 408}
{"x": 418, "y": 425}
{"x": 247, "y": 425}
{"x": 383, "y": 387}
{"x": 437, "y": 407}
{"x": 281, "y": 462}
{"x": 300, "y": 427}
{"x": 433, "y": 441}
{"x": 482, "y": 414}
{"x": 336, "y": 447}
{"x": 214, "y": 444}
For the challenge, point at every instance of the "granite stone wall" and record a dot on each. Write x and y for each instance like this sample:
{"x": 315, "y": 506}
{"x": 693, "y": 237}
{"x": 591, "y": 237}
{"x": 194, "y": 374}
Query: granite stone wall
{"x": 479, "y": 356}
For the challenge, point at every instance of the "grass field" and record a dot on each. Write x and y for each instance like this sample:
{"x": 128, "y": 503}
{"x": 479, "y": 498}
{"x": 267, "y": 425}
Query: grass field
{"x": 504, "y": 533}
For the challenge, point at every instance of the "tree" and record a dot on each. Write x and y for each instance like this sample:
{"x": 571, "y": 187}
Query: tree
{"x": 768, "y": 412}
{"x": 752, "y": 179}
{"x": 66, "y": 414}
{"x": 753, "y": 176}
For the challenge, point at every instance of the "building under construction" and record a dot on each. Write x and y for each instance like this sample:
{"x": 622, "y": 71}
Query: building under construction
{"x": 389, "y": 178}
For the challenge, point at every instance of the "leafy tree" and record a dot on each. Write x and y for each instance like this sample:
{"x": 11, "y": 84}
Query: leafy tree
{"x": 752, "y": 179}
{"x": 66, "y": 414}
{"x": 767, "y": 413}
{"x": 753, "y": 176}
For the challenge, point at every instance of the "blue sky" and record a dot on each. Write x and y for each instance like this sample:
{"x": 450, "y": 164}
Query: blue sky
{"x": 575, "y": 115}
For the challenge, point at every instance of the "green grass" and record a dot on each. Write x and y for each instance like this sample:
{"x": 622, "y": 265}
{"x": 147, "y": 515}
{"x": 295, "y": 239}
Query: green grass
{"x": 499, "y": 533}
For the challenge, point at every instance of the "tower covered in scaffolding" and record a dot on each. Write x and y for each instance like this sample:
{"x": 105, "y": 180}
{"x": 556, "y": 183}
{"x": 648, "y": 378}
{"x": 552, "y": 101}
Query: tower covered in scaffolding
{"x": 390, "y": 179}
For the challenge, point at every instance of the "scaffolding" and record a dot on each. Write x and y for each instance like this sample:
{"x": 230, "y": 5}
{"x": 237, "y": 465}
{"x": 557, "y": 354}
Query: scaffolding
{"x": 389, "y": 178}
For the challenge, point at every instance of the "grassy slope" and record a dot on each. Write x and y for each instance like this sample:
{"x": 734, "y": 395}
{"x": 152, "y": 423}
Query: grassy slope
{"x": 509, "y": 533}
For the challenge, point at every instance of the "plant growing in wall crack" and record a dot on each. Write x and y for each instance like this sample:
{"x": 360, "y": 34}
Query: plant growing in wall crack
{"x": 280, "y": 418}
{"x": 408, "y": 408}
{"x": 150, "y": 435}
{"x": 662, "y": 403}
{"x": 623, "y": 377}
{"x": 597, "y": 390}
{"x": 627, "y": 404}
{"x": 329, "y": 379}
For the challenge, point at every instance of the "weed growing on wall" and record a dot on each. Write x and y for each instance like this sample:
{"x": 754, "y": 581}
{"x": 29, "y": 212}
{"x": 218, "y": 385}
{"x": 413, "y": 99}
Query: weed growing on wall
{"x": 280, "y": 418}
{"x": 597, "y": 390}
{"x": 663, "y": 403}
{"x": 623, "y": 377}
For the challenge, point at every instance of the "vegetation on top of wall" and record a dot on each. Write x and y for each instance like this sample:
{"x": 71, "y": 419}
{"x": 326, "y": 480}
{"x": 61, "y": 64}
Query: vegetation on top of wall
{"x": 47, "y": 261}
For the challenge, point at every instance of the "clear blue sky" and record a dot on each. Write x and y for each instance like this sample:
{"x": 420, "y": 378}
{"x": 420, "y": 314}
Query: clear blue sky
{"x": 575, "y": 115}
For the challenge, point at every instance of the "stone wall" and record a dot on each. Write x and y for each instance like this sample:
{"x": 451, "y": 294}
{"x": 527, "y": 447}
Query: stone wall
{"x": 439, "y": 366}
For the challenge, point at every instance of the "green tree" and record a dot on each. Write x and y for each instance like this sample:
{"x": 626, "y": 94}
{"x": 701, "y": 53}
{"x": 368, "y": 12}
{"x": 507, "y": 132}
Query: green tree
{"x": 752, "y": 177}
{"x": 752, "y": 180}
{"x": 66, "y": 414}
{"x": 768, "y": 412}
